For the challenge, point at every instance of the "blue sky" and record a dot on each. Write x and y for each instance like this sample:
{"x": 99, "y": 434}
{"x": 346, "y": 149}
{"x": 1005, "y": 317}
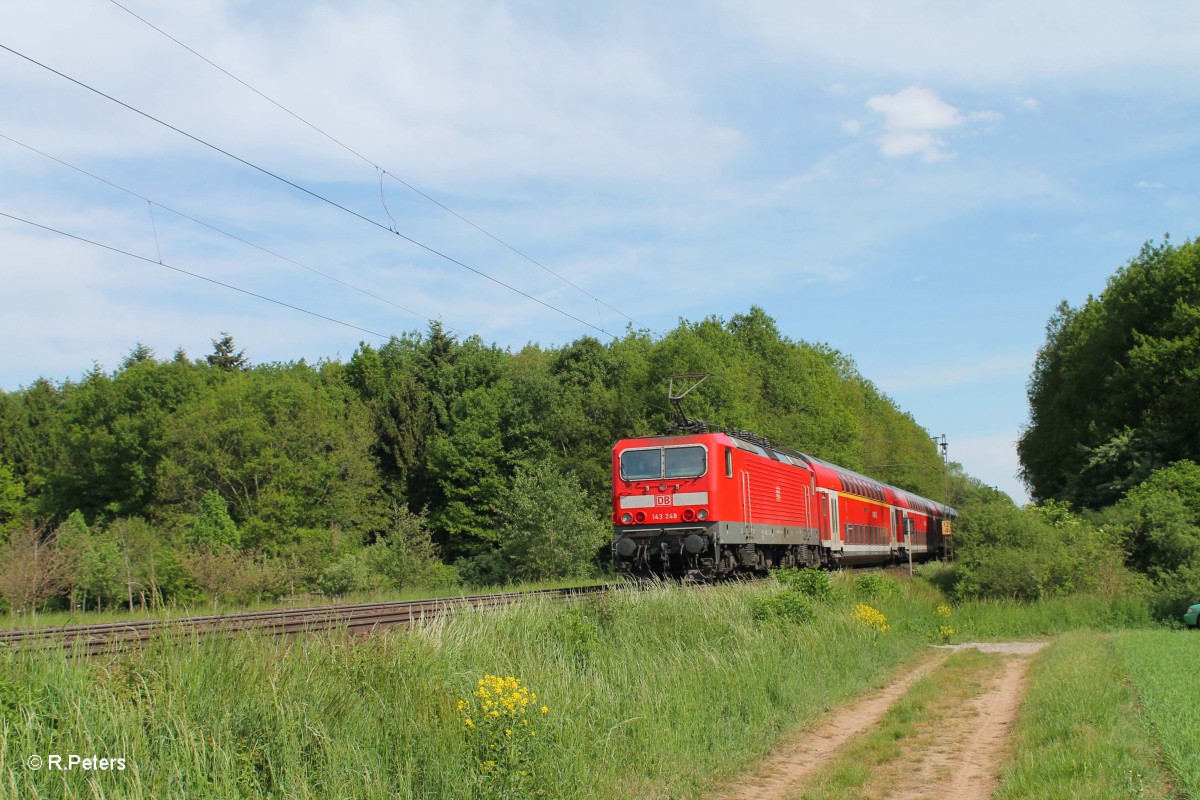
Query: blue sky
{"x": 917, "y": 185}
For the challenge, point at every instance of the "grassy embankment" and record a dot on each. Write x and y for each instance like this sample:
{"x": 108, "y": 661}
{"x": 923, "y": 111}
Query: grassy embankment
{"x": 648, "y": 694}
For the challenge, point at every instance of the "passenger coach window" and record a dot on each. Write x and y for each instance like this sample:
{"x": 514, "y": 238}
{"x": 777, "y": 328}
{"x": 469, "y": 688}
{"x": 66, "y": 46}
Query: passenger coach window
{"x": 686, "y": 462}
{"x": 641, "y": 465}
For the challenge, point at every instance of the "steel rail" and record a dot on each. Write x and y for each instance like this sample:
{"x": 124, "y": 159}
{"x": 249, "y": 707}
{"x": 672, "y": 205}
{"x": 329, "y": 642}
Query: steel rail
{"x": 358, "y": 618}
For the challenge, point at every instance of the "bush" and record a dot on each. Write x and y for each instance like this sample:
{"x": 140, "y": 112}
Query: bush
{"x": 550, "y": 530}
{"x": 1034, "y": 553}
{"x": 350, "y": 574}
{"x": 810, "y": 582}
{"x": 786, "y": 606}
{"x": 876, "y": 585}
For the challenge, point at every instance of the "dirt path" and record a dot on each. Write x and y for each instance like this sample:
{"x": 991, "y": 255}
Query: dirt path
{"x": 804, "y": 755}
{"x": 962, "y": 761}
{"x": 958, "y": 760}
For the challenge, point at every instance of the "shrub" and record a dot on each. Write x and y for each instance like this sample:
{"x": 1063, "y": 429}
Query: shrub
{"x": 876, "y": 585}
{"x": 351, "y": 573}
{"x": 786, "y": 605}
{"x": 811, "y": 582}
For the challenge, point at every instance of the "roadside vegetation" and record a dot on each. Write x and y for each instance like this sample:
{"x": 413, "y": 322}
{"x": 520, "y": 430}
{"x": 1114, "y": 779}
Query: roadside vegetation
{"x": 1080, "y": 733}
{"x": 648, "y": 693}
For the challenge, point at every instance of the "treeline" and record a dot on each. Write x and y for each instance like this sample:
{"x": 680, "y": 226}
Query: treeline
{"x": 1111, "y": 450}
{"x": 427, "y": 460}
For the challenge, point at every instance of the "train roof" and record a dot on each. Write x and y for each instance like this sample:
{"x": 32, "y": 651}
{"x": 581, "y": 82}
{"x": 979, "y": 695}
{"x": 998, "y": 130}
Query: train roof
{"x": 851, "y": 481}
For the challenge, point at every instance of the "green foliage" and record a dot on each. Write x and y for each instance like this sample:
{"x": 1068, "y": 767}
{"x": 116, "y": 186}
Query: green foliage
{"x": 507, "y": 455}
{"x": 1112, "y": 396}
{"x": 1159, "y": 524}
{"x": 212, "y": 527}
{"x": 810, "y": 582}
{"x": 787, "y": 605}
{"x": 1034, "y": 553}
{"x": 351, "y": 574}
{"x": 12, "y": 496}
{"x": 406, "y": 557}
{"x": 225, "y": 355}
{"x": 875, "y": 585}
{"x": 550, "y": 530}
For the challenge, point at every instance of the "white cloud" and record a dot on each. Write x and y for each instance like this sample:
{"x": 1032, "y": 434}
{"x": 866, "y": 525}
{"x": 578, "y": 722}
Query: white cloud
{"x": 1030, "y": 104}
{"x": 915, "y": 109}
{"x": 1151, "y": 185}
{"x": 913, "y": 116}
{"x": 852, "y": 126}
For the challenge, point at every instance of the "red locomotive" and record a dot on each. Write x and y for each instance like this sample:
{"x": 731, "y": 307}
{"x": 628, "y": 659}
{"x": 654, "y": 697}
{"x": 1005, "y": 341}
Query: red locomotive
{"x": 714, "y": 503}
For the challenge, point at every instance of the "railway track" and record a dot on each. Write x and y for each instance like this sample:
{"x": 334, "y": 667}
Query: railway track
{"x": 358, "y": 618}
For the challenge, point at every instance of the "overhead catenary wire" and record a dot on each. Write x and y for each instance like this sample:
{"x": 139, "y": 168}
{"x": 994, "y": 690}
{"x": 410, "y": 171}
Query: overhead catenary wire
{"x": 183, "y": 271}
{"x": 152, "y": 203}
{"x": 382, "y": 172}
{"x": 308, "y": 191}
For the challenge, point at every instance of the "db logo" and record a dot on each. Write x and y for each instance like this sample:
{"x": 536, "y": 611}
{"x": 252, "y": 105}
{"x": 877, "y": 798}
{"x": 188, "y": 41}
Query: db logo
{"x": 662, "y": 500}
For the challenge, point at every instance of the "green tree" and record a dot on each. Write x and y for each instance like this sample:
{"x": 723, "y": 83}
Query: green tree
{"x": 549, "y": 530}
{"x": 225, "y": 355}
{"x": 212, "y": 527}
{"x": 93, "y": 564}
{"x": 1112, "y": 395}
{"x": 12, "y": 497}
{"x": 287, "y": 446}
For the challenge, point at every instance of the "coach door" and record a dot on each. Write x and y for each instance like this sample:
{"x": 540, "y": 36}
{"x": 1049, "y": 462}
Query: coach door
{"x": 835, "y": 530}
{"x": 747, "y": 506}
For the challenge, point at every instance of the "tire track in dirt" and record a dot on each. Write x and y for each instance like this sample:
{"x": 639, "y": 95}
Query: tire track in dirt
{"x": 963, "y": 760}
{"x": 800, "y": 758}
{"x": 960, "y": 760}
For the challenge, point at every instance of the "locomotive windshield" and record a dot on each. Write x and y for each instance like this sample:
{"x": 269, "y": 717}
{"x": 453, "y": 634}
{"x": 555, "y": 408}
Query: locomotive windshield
{"x": 685, "y": 462}
{"x": 656, "y": 463}
{"x": 641, "y": 465}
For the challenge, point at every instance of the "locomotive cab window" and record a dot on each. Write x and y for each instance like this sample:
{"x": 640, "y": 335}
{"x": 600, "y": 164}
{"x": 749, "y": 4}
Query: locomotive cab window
{"x": 685, "y": 462}
{"x": 656, "y": 463}
{"x": 728, "y": 462}
{"x": 641, "y": 465}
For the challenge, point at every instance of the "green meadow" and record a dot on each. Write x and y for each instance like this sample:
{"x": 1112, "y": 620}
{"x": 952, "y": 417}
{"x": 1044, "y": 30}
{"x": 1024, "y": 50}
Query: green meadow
{"x": 667, "y": 692}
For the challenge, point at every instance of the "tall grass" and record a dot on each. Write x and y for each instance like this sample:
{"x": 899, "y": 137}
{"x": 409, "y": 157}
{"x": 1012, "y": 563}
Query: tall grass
{"x": 1164, "y": 668}
{"x": 1078, "y": 734}
{"x": 1007, "y": 619}
{"x": 653, "y": 694}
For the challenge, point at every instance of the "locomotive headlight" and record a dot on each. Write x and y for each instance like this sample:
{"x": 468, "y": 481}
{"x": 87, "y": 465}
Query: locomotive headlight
{"x": 626, "y": 518}
{"x": 702, "y": 513}
{"x": 640, "y": 517}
